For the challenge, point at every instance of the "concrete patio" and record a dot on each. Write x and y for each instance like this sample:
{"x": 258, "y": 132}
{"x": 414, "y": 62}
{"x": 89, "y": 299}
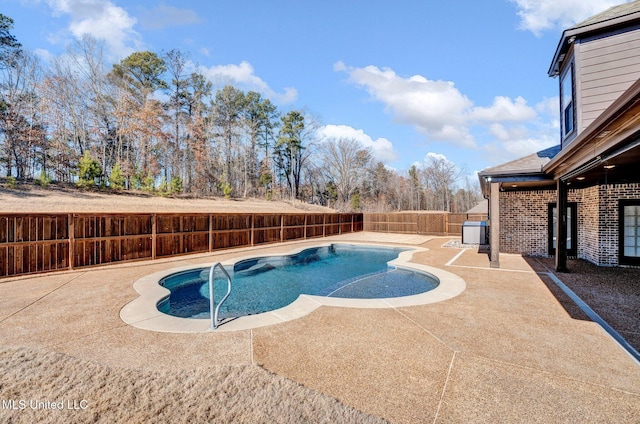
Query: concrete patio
{"x": 504, "y": 350}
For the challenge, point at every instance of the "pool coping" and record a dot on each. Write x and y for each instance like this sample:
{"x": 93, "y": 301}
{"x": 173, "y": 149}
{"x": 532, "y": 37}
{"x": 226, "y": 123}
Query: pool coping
{"x": 143, "y": 313}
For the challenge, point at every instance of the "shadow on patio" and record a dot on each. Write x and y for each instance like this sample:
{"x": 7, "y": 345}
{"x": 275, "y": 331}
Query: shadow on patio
{"x": 612, "y": 292}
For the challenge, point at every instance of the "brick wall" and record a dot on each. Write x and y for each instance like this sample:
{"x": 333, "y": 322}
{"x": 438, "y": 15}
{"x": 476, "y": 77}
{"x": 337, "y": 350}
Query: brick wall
{"x": 524, "y": 221}
{"x": 588, "y": 223}
{"x": 608, "y": 221}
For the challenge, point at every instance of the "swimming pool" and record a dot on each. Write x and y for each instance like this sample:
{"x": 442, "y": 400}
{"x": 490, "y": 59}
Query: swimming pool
{"x": 265, "y": 284}
{"x": 142, "y": 312}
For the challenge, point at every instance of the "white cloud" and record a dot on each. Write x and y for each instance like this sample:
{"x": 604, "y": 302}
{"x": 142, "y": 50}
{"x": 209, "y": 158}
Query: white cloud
{"x": 429, "y": 157}
{"x": 390, "y": 168}
{"x": 432, "y": 157}
{"x": 503, "y": 133}
{"x": 540, "y": 15}
{"x": 549, "y": 106}
{"x": 44, "y": 54}
{"x": 381, "y": 148}
{"x": 550, "y": 110}
{"x": 436, "y": 156}
{"x": 244, "y": 74}
{"x": 499, "y": 131}
{"x": 504, "y": 109}
{"x": 102, "y": 20}
{"x": 510, "y": 148}
{"x": 435, "y": 108}
{"x": 514, "y": 141}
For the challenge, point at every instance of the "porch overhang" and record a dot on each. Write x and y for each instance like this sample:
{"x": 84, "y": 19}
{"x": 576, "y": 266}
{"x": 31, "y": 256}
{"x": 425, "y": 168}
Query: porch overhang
{"x": 512, "y": 182}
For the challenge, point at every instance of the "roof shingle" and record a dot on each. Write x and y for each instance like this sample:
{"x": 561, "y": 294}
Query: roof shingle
{"x": 526, "y": 164}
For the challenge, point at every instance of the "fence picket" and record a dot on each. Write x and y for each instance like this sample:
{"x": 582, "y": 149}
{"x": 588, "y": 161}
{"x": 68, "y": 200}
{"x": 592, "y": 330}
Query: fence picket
{"x": 40, "y": 243}
{"x": 425, "y": 223}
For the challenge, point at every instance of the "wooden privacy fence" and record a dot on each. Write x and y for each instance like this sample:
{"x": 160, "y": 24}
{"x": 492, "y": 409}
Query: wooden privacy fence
{"x": 428, "y": 223}
{"x": 38, "y": 243}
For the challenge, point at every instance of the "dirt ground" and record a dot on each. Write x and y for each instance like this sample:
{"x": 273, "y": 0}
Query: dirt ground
{"x": 63, "y": 200}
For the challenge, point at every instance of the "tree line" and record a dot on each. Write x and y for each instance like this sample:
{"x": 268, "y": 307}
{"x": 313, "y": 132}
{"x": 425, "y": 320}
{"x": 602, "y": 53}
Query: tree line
{"x": 150, "y": 122}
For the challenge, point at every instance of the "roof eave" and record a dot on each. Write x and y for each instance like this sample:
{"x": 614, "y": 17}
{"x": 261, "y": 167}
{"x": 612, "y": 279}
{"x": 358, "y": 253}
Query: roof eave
{"x": 554, "y": 68}
{"x": 579, "y": 32}
{"x": 532, "y": 176}
{"x": 520, "y": 172}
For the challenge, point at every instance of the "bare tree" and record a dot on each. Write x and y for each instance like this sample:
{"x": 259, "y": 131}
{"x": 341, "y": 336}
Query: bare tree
{"x": 140, "y": 115}
{"x": 293, "y": 148}
{"x": 346, "y": 163}
{"x": 178, "y": 114}
{"x": 20, "y": 119}
{"x": 440, "y": 175}
{"x": 227, "y": 116}
{"x": 467, "y": 196}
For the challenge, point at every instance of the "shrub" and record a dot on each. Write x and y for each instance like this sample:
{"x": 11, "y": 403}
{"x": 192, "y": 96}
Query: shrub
{"x": 149, "y": 183}
{"x": 227, "y": 190}
{"x": 116, "y": 178}
{"x": 88, "y": 170}
{"x": 163, "y": 187}
{"x": 43, "y": 180}
{"x": 175, "y": 185}
{"x": 11, "y": 182}
{"x": 355, "y": 202}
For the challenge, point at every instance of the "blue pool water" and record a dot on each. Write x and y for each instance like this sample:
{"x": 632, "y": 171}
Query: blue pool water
{"x": 265, "y": 284}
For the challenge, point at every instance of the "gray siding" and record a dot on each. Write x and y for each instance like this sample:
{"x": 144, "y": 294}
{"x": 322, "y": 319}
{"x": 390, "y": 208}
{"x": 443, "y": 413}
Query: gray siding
{"x": 607, "y": 67}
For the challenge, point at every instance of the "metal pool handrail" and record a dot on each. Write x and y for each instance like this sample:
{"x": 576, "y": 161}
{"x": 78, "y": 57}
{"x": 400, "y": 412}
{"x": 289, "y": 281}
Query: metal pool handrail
{"x": 214, "y": 312}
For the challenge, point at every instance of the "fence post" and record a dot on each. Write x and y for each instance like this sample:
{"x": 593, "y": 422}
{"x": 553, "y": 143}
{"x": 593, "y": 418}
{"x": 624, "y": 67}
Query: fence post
{"x": 324, "y": 224}
{"x": 72, "y": 247}
{"x": 281, "y": 227}
{"x": 210, "y": 233}
{"x": 446, "y": 223}
{"x": 154, "y": 239}
{"x": 305, "y": 226}
{"x": 182, "y": 234}
{"x": 253, "y": 218}
{"x": 352, "y": 222}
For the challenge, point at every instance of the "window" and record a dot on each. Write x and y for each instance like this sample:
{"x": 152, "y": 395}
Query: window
{"x": 629, "y": 245}
{"x": 567, "y": 108}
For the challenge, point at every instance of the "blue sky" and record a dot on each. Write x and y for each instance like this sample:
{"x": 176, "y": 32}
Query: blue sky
{"x": 464, "y": 79}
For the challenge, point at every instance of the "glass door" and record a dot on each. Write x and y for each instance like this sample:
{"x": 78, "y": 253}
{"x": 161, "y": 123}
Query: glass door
{"x": 572, "y": 229}
{"x": 629, "y": 245}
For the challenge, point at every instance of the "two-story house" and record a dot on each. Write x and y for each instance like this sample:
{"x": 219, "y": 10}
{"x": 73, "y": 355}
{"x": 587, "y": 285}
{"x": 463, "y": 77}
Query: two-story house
{"x": 581, "y": 198}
